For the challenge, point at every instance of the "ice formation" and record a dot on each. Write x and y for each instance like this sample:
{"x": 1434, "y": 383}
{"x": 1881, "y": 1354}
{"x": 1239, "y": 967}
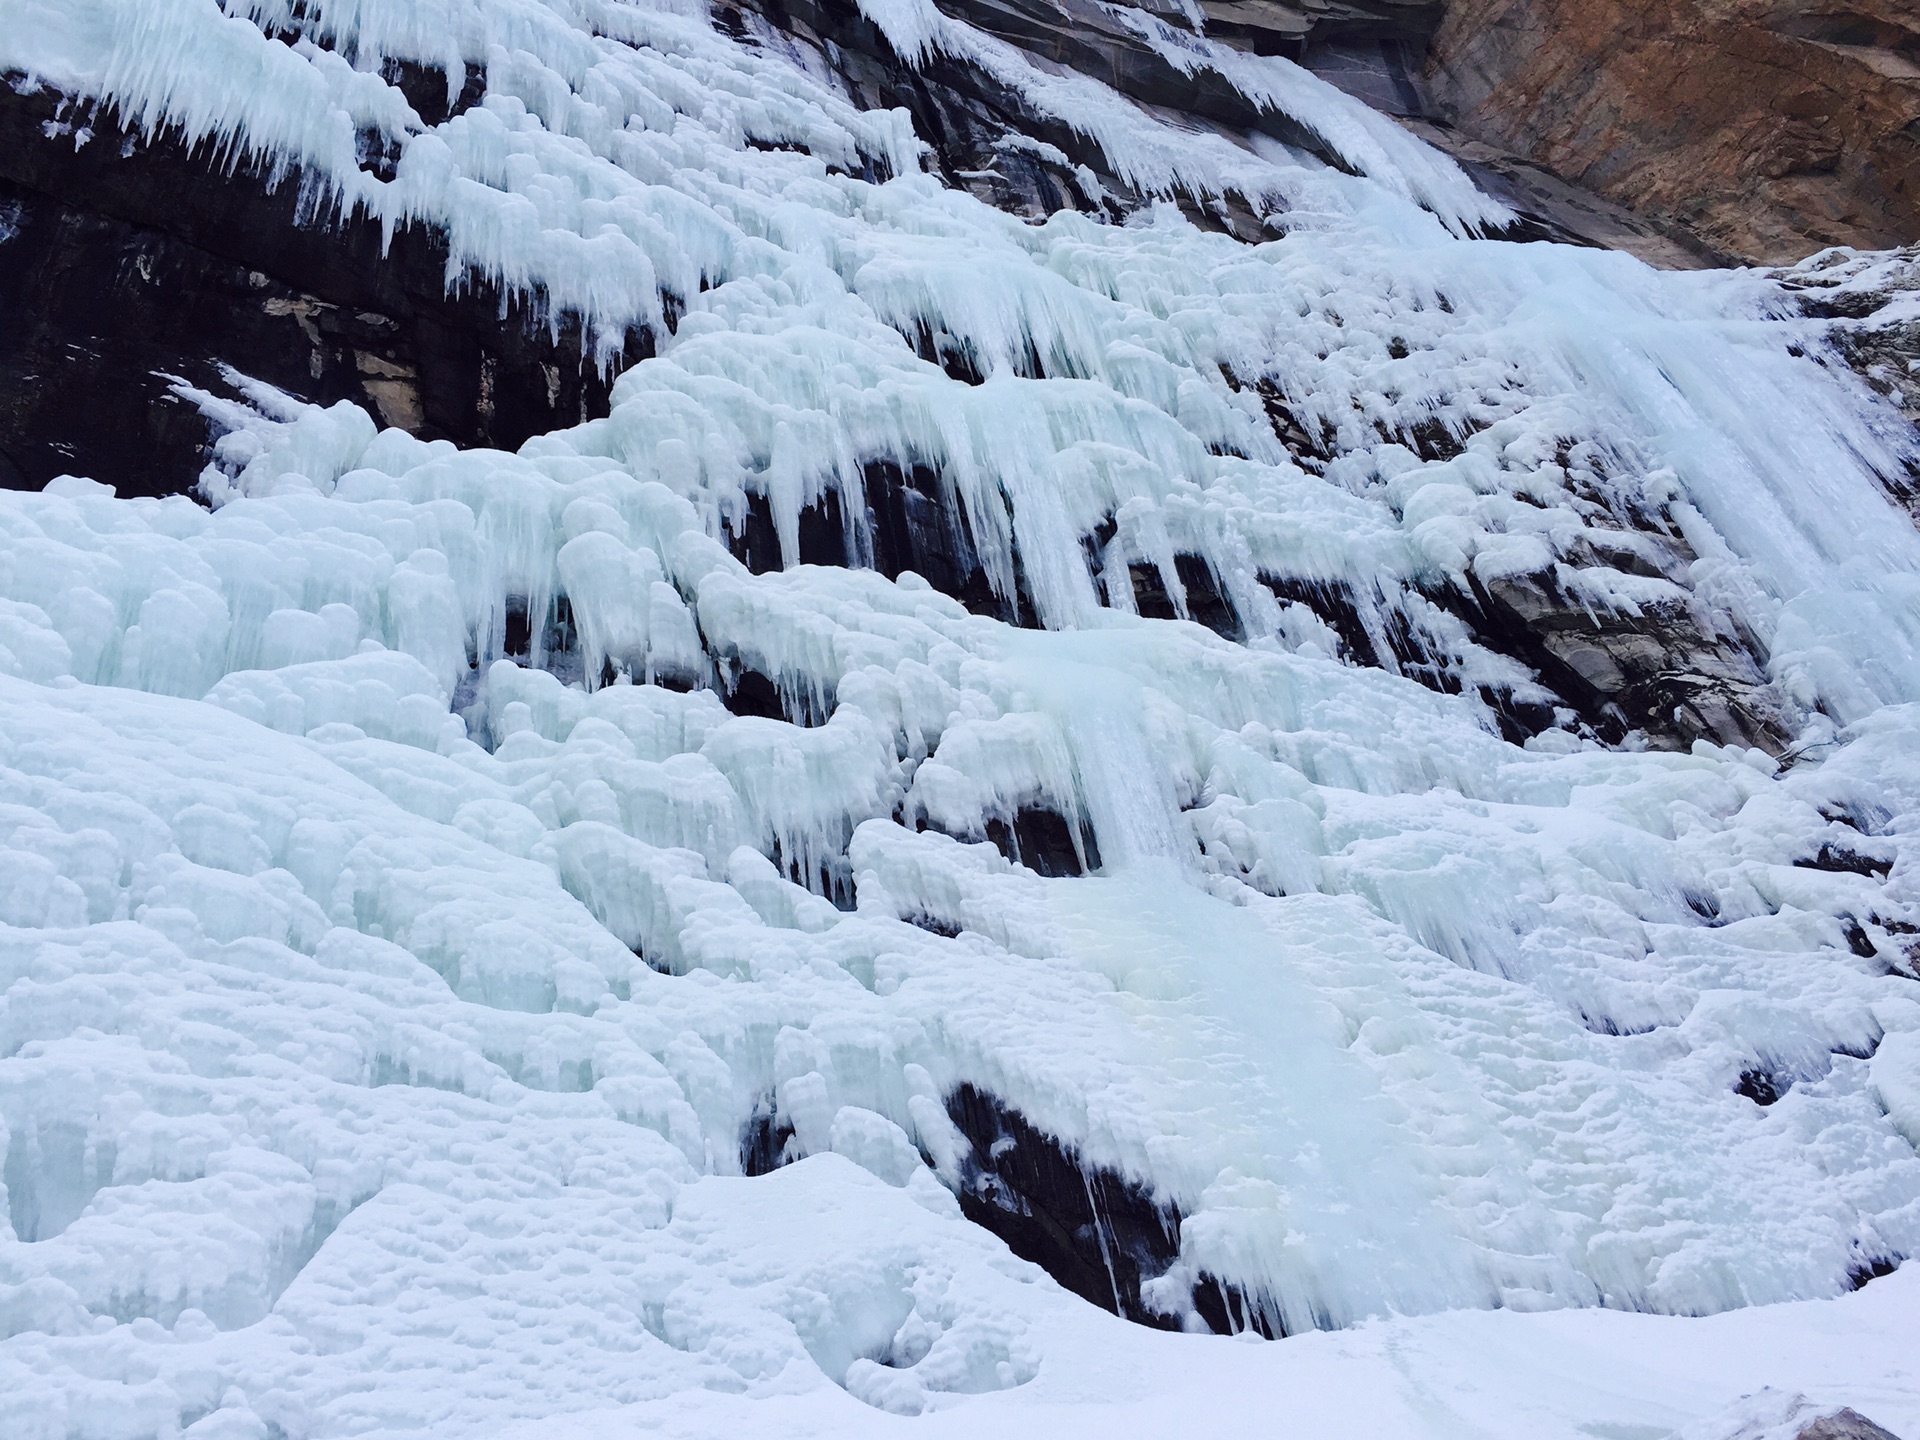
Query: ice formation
{"x": 433, "y": 879}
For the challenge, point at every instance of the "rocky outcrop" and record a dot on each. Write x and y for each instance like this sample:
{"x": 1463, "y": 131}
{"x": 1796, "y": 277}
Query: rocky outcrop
{"x": 983, "y": 133}
{"x": 125, "y": 261}
{"x": 1871, "y": 304}
{"x": 131, "y": 259}
{"x": 1756, "y": 130}
{"x": 1097, "y": 1233}
{"x": 1105, "y": 42}
{"x": 1844, "y": 1424}
{"x": 1668, "y": 670}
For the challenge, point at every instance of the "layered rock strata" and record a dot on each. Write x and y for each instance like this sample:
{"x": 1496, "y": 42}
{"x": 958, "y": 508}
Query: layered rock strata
{"x": 131, "y": 260}
{"x": 1757, "y": 130}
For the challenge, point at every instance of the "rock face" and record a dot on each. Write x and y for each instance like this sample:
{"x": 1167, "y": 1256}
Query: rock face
{"x": 1107, "y": 41}
{"x": 1760, "y": 130}
{"x": 132, "y": 260}
{"x": 982, "y": 131}
{"x": 1872, "y": 306}
{"x": 128, "y": 261}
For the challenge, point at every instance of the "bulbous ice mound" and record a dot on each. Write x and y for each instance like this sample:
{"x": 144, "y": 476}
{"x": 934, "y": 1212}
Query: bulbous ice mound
{"x": 1367, "y": 773}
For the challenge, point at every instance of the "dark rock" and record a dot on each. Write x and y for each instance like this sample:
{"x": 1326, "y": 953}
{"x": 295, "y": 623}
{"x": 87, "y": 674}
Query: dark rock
{"x": 1864, "y": 298}
{"x": 963, "y": 113}
{"x": 1763, "y": 1087}
{"x": 1313, "y": 449}
{"x": 751, "y": 535}
{"x": 1383, "y": 73}
{"x": 1229, "y": 1310}
{"x": 917, "y": 524}
{"x": 1664, "y": 674}
{"x": 1704, "y": 905}
{"x": 1203, "y": 600}
{"x": 910, "y": 520}
{"x": 1867, "y": 819}
{"x": 1887, "y": 357}
{"x": 1098, "y": 1233}
{"x": 755, "y": 541}
{"x": 746, "y": 691}
{"x": 914, "y": 521}
{"x": 518, "y": 643}
{"x": 1864, "y": 1050}
{"x": 1095, "y": 40}
{"x": 933, "y": 925}
{"x": 1900, "y": 950}
{"x": 1095, "y": 1231}
{"x": 125, "y": 259}
{"x": 1661, "y": 671}
{"x": 1045, "y": 841}
{"x": 952, "y": 355}
{"x": 434, "y": 95}
{"x": 1207, "y": 604}
{"x": 1332, "y": 601}
{"x": 1375, "y": 50}
{"x": 1755, "y": 130}
{"x": 1150, "y": 598}
{"x": 766, "y": 1140}
{"x": 548, "y": 641}
{"x": 969, "y": 118}
{"x": 824, "y": 534}
{"x": 1839, "y": 859}
{"x": 563, "y": 635}
{"x": 1858, "y": 941}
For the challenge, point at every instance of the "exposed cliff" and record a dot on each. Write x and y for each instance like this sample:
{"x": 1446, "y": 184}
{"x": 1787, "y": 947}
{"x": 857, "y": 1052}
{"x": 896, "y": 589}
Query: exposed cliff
{"x": 1761, "y": 130}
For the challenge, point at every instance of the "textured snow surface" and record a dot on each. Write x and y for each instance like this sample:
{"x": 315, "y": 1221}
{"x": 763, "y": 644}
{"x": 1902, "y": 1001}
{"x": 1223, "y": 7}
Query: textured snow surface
{"x": 382, "y": 1015}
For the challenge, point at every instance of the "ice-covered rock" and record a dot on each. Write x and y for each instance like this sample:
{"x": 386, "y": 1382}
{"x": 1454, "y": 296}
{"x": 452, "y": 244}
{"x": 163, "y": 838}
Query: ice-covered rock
{"x": 1296, "y": 785}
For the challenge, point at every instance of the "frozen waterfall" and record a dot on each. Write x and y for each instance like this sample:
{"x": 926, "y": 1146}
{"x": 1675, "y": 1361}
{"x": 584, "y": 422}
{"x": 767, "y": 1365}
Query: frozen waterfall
{"x": 1002, "y": 735}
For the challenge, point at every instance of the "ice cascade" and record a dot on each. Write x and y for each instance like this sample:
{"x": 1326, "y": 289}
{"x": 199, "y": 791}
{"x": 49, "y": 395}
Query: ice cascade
{"x": 561, "y": 924}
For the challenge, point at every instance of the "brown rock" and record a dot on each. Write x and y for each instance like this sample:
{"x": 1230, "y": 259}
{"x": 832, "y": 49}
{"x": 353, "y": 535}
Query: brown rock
{"x": 1760, "y": 130}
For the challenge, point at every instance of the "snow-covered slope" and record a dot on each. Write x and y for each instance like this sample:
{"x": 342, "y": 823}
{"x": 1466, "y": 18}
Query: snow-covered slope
{"x": 442, "y": 891}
